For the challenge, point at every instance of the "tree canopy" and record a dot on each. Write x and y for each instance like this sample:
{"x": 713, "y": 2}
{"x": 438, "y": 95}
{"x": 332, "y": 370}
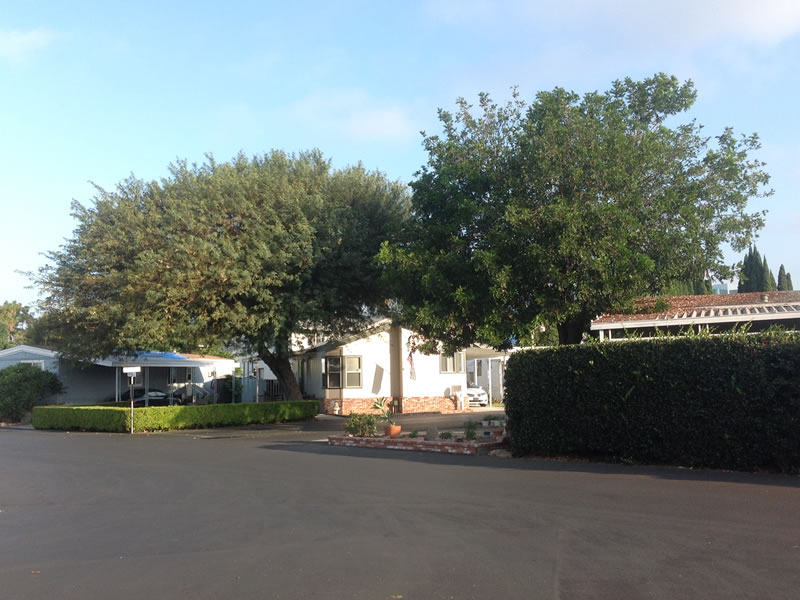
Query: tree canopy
{"x": 15, "y": 319}
{"x": 566, "y": 208}
{"x": 22, "y": 387}
{"x": 250, "y": 251}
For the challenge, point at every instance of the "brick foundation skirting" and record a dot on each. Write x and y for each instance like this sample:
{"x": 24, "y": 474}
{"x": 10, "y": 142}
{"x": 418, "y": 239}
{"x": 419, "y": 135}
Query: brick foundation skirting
{"x": 422, "y": 404}
{"x": 419, "y": 445}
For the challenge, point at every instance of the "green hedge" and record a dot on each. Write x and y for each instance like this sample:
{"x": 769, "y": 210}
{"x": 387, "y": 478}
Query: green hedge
{"x": 723, "y": 402}
{"x": 104, "y": 418}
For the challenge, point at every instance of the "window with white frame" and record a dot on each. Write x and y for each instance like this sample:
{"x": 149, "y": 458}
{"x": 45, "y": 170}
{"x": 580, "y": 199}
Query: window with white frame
{"x": 452, "y": 363}
{"x": 341, "y": 371}
{"x": 36, "y": 363}
{"x": 352, "y": 371}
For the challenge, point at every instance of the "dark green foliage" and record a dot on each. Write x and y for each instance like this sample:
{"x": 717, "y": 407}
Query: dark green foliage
{"x": 22, "y": 387}
{"x": 226, "y": 390}
{"x": 361, "y": 425}
{"x": 469, "y": 430}
{"x": 767, "y": 278}
{"x": 784, "y": 280}
{"x": 723, "y": 402}
{"x": 694, "y": 287}
{"x": 101, "y": 418}
{"x": 755, "y": 275}
{"x": 445, "y": 435}
{"x": 83, "y": 418}
{"x": 565, "y": 208}
{"x": 15, "y": 320}
{"x": 250, "y": 251}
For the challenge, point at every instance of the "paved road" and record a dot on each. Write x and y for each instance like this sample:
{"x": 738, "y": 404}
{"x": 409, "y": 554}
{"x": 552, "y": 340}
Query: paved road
{"x": 268, "y": 514}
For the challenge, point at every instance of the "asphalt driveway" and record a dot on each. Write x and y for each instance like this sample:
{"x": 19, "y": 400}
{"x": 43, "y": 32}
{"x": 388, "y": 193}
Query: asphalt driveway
{"x": 267, "y": 513}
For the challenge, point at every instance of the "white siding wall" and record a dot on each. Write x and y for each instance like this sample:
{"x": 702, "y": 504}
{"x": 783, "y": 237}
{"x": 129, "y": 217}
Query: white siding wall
{"x": 87, "y": 386}
{"x": 375, "y": 354}
{"x": 429, "y": 381}
{"x": 50, "y": 363}
{"x": 375, "y": 368}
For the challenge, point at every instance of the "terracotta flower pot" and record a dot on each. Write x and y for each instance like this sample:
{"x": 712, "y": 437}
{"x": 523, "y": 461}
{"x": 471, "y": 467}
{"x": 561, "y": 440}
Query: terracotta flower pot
{"x": 392, "y": 430}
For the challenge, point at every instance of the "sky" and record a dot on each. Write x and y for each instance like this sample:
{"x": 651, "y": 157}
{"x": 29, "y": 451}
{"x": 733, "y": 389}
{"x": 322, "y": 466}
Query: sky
{"x": 93, "y": 92}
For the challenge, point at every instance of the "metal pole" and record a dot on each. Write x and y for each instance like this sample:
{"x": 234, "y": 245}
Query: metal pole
{"x": 256, "y": 373}
{"x": 130, "y": 379}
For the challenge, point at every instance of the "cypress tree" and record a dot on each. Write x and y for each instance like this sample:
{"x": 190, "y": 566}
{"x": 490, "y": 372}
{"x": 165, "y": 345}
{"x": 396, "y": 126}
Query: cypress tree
{"x": 767, "y": 279}
{"x": 789, "y": 287}
{"x": 744, "y": 272}
{"x": 782, "y": 283}
{"x": 752, "y": 273}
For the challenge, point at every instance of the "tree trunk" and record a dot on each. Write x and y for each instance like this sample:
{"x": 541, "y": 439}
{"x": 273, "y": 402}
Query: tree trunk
{"x": 571, "y": 331}
{"x": 282, "y": 369}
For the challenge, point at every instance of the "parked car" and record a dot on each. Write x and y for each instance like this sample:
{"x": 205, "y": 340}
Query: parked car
{"x": 152, "y": 397}
{"x": 477, "y": 396}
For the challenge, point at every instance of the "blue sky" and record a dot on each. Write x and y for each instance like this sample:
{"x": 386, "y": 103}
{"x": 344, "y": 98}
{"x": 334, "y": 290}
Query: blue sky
{"x": 95, "y": 91}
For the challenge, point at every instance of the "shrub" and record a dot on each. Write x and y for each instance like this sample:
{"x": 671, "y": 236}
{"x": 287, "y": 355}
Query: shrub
{"x": 469, "y": 430}
{"x": 23, "y": 386}
{"x": 721, "y": 401}
{"x": 226, "y": 389}
{"x": 361, "y": 425}
{"x": 445, "y": 435}
{"x": 103, "y": 418}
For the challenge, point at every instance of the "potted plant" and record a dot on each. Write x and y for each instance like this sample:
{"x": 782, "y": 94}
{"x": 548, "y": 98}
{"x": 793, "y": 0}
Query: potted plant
{"x": 391, "y": 429}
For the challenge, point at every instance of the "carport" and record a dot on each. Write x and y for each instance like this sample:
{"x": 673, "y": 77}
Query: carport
{"x": 168, "y": 371}
{"x": 495, "y": 360}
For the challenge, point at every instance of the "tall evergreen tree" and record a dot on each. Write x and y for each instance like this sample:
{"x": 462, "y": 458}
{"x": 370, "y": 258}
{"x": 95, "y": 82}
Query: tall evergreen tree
{"x": 784, "y": 280}
{"x": 767, "y": 279}
{"x": 752, "y": 275}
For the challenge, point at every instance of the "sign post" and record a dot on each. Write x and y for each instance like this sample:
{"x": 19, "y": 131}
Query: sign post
{"x": 131, "y": 372}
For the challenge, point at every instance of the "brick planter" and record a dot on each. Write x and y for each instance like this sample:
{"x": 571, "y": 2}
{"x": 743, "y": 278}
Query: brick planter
{"x": 473, "y": 448}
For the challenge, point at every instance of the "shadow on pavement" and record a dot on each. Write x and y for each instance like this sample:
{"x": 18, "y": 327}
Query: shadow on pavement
{"x": 542, "y": 464}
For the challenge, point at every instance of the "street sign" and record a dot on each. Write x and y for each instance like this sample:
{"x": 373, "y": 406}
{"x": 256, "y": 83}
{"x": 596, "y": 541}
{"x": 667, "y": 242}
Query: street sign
{"x": 131, "y": 372}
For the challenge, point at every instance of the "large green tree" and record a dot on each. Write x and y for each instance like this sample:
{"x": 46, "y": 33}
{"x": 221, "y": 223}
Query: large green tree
{"x": 250, "y": 252}
{"x": 567, "y": 208}
{"x": 15, "y": 319}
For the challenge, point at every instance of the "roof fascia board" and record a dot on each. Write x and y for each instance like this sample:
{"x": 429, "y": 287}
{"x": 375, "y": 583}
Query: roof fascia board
{"x": 30, "y": 350}
{"x": 671, "y": 322}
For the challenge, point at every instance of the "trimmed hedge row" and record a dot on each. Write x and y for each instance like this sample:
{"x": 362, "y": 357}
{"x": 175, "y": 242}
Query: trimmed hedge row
{"x": 104, "y": 418}
{"x": 722, "y": 402}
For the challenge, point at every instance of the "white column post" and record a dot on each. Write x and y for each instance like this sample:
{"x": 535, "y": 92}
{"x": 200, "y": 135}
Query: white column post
{"x": 490, "y": 383}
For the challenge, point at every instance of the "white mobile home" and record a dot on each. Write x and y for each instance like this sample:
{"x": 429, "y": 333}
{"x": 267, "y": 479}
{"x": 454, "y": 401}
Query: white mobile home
{"x": 186, "y": 376}
{"x": 349, "y": 375}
